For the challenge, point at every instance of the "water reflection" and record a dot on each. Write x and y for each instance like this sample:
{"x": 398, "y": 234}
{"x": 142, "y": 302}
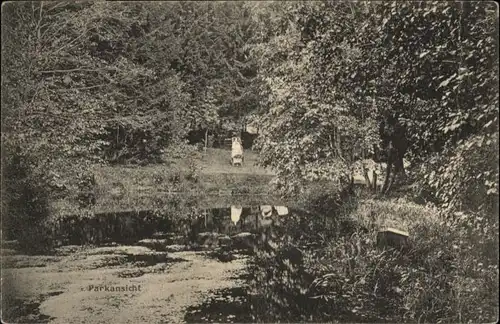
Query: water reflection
{"x": 236, "y": 214}
{"x": 281, "y": 210}
{"x": 235, "y": 219}
{"x": 124, "y": 227}
{"x": 129, "y": 227}
{"x": 266, "y": 211}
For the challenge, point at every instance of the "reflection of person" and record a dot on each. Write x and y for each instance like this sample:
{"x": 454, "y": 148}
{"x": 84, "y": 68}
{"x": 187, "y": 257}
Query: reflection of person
{"x": 265, "y": 221}
{"x": 266, "y": 210}
{"x": 281, "y": 210}
{"x": 265, "y": 218}
{"x": 236, "y": 214}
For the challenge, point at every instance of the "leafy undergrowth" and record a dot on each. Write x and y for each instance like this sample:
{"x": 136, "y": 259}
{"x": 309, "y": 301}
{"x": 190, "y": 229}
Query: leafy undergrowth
{"x": 449, "y": 273}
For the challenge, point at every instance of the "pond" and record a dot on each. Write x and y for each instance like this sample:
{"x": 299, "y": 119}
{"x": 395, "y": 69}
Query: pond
{"x": 201, "y": 256}
{"x": 177, "y": 226}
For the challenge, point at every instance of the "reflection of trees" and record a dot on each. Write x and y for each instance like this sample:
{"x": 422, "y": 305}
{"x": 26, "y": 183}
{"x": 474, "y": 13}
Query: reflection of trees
{"x": 175, "y": 214}
{"x": 124, "y": 227}
{"x": 235, "y": 219}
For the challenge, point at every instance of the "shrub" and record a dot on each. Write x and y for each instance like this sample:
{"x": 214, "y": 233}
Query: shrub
{"x": 129, "y": 142}
{"x": 86, "y": 189}
{"x": 181, "y": 150}
{"x": 193, "y": 172}
{"x": 24, "y": 199}
{"x": 464, "y": 179}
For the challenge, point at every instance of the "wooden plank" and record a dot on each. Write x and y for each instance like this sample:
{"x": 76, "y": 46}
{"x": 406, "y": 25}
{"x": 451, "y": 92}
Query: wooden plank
{"x": 391, "y": 237}
{"x": 395, "y": 231}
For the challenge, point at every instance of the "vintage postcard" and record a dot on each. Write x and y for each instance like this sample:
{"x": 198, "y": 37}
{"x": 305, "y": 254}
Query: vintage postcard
{"x": 249, "y": 162}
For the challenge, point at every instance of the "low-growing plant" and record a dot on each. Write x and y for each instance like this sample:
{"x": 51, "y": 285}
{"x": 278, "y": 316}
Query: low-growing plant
{"x": 192, "y": 174}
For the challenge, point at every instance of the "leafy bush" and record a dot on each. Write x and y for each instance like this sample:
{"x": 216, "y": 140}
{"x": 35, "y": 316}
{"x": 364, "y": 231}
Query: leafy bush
{"x": 181, "y": 150}
{"x": 134, "y": 143}
{"x": 465, "y": 179}
{"x": 193, "y": 172}
{"x": 24, "y": 199}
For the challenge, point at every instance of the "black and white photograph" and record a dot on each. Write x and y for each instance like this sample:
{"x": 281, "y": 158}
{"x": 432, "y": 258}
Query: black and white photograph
{"x": 249, "y": 162}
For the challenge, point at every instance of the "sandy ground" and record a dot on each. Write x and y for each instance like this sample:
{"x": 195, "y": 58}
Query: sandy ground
{"x": 167, "y": 287}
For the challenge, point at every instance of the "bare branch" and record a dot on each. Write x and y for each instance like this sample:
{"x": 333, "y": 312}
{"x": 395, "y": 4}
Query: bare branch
{"x": 77, "y": 70}
{"x": 86, "y": 88}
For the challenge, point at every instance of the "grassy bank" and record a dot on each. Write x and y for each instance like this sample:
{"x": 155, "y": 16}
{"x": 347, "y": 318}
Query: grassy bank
{"x": 186, "y": 182}
{"x": 206, "y": 177}
{"x": 448, "y": 274}
{"x": 132, "y": 182}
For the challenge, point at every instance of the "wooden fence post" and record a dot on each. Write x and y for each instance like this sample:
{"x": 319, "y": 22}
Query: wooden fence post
{"x": 206, "y": 139}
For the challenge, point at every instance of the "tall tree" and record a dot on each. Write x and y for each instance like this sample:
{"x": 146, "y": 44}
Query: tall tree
{"x": 355, "y": 64}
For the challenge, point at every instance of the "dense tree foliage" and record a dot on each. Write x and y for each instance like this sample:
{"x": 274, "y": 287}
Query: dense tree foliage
{"x": 113, "y": 82}
{"x": 118, "y": 74}
{"x": 88, "y": 82}
{"x": 121, "y": 82}
{"x": 338, "y": 69}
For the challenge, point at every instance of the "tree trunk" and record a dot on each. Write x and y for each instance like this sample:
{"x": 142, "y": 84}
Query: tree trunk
{"x": 206, "y": 139}
{"x": 367, "y": 178}
{"x": 374, "y": 181}
{"x": 337, "y": 143}
{"x": 386, "y": 186}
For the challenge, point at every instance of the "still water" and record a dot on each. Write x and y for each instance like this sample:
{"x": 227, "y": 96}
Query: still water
{"x": 184, "y": 224}
{"x": 220, "y": 236}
